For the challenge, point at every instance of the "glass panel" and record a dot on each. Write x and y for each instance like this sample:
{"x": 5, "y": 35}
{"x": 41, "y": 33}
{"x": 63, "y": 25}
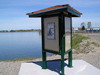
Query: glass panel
{"x": 67, "y": 34}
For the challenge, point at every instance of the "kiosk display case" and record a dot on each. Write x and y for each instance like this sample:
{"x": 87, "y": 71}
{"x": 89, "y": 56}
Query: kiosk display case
{"x": 56, "y": 27}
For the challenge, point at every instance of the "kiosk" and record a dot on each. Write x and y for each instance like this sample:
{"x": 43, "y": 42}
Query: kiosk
{"x": 56, "y": 26}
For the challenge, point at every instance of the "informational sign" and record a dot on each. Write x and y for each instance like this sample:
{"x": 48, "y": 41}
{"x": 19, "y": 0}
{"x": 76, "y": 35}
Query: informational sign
{"x": 51, "y": 31}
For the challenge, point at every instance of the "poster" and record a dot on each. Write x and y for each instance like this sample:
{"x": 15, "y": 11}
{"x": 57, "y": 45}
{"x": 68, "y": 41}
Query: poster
{"x": 51, "y": 31}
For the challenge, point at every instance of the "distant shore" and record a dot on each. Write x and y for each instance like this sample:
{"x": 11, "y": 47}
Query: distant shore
{"x": 20, "y": 30}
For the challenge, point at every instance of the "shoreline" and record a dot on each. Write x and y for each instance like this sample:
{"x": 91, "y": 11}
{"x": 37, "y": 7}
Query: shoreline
{"x": 21, "y": 31}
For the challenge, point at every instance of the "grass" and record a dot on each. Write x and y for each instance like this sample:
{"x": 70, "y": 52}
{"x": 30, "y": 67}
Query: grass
{"x": 20, "y": 59}
{"x": 95, "y": 44}
{"x": 76, "y": 39}
{"x": 87, "y": 44}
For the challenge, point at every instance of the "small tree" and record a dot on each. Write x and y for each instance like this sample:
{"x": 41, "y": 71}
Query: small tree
{"x": 83, "y": 28}
{"x": 82, "y": 24}
{"x": 89, "y": 25}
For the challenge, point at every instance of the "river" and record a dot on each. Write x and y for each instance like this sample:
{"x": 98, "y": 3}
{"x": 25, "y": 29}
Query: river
{"x": 20, "y": 45}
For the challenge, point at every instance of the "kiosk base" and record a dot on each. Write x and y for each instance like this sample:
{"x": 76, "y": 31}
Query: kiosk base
{"x": 80, "y": 67}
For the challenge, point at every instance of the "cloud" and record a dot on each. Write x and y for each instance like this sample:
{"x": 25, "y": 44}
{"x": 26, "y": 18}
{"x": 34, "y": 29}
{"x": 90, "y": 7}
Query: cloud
{"x": 94, "y": 21}
{"x": 21, "y": 23}
{"x": 13, "y": 12}
{"x": 85, "y": 3}
{"x": 76, "y": 3}
{"x": 21, "y": 2}
{"x": 10, "y": 11}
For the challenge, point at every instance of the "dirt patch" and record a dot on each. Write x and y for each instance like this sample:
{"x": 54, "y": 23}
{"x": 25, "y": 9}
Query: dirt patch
{"x": 88, "y": 50}
{"x": 87, "y": 46}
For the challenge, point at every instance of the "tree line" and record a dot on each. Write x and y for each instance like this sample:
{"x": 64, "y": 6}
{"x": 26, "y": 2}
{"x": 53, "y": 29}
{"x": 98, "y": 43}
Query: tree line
{"x": 88, "y": 25}
{"x": 20, "y": 30}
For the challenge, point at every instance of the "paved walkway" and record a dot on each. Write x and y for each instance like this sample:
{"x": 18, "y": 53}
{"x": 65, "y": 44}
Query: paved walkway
{"x": 80, "y": 67}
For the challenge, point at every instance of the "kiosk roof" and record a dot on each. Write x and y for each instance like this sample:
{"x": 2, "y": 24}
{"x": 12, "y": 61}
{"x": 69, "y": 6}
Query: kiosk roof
{"x": 55, "y": 10}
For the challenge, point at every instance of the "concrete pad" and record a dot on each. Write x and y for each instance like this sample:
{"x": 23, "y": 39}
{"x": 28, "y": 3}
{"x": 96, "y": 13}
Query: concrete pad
{"x": 80, "y": 67}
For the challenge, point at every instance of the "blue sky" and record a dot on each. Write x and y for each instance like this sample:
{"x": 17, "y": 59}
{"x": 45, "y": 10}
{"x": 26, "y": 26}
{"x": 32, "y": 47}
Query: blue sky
{"x": 13, "y": 12}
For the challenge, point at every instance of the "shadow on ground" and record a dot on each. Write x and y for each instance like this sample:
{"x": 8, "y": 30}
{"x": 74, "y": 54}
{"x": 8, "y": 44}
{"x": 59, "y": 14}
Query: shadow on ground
{"x": 53, "y": 65}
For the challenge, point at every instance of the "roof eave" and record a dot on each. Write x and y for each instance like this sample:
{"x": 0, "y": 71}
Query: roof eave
{"x": 40, "y": 14}
{"x": 75, "y": 14}
{"x": 57, "y": 10}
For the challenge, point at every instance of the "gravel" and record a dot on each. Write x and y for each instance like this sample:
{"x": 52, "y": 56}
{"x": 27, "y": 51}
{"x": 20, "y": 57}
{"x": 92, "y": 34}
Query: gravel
{"x": 12, "y": 68}
{"x": 9, "y": 68}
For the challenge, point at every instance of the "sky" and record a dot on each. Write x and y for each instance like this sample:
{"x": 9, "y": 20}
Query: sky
{"x": 13, "y": 12}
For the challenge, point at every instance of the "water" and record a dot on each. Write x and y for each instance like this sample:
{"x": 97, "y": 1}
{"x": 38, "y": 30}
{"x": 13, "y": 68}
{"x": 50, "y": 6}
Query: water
{"x": 20, "y": 45}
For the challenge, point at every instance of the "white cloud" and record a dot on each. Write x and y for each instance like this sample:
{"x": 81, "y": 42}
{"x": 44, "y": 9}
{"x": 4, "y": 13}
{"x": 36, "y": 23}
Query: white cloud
{"x": 94, "y": 21}
{"x": 21, "y": 23}
{"x": 85, "y": 3}
{"x": 76, "y": 3}
{"x": 11, "y": 11}
{"x": 10, "y": 8}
